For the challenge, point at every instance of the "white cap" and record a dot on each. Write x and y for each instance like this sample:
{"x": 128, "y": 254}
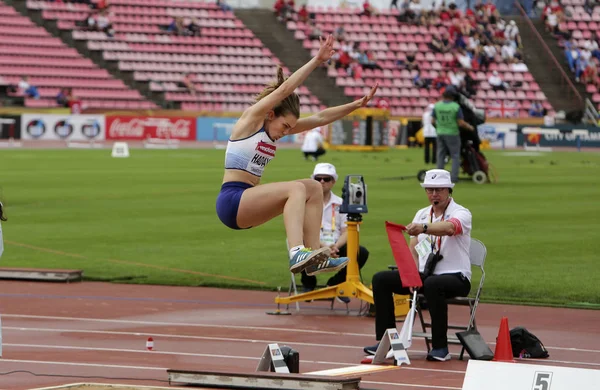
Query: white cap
{"x": 325, "y": 169}
{"x": 437, "y": 178}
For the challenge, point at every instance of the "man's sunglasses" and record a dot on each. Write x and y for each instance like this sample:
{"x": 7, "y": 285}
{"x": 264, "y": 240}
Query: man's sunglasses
{"x": 326, "y": 179}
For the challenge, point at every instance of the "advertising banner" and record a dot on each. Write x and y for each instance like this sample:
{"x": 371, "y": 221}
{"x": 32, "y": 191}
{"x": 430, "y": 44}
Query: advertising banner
{"x": 213, "y": 129}
{"x": 139, "y": 128}
{"x": 565, "y": 135}
{"x": 499, "y": 135}
{"x": 10, "y": 126}
{"x": 62, "y": 127}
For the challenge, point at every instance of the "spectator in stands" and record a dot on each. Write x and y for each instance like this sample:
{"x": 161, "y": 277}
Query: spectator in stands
{"x": 224, "y": 6}
{"x": 590, "y": 74}
{"x": 394, "y": 3}
{"x": 193, "y": 28}
{"x": 368, "y": 60}
{"x": 74, "y": 103}
{"x": 278, "y": 7}
{"x": 441, "y": 81}
{"x": 103, "y": 23}
{"x": 339, "y": 33}
{"x": 437, "y": 45}
{"x": 244, "y": 202}
{"x": 368, "y": 9}
{"x": 411, "y": 61}
{"x": 463, "y": 59}
{"x": 572, "y": 54}
{"x": 420, "y": 82}
{"x": 27, "y": 89}
{"x": 62, "y": 99}
{"x": 508, "y": 52}
{"x": 537, "y": 110}
{"x": 511, "y": 32}
{"x": 303, "y": 14}
{"x": 314, "y": 31}
{"x": 552, "y": 22}
{"x": 496, "y": 82}
{"x": 187, "y": 82}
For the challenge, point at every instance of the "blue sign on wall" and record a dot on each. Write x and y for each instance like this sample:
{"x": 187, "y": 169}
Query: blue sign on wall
{"x": 219, "y": 129}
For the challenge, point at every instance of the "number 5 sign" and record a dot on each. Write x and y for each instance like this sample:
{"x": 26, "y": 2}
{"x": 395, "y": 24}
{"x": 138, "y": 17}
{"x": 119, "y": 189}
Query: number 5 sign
{"x": 520, "y": 376}
{"x": 542, "y": 380}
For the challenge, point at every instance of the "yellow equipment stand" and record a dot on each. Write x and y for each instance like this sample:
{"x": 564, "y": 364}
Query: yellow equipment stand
{"x": 352, "y": 287}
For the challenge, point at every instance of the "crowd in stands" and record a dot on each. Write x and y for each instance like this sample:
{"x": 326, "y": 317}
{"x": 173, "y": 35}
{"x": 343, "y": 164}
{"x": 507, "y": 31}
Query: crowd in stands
{"x": 475, "y": 39}
{"x": 580, "y": 47}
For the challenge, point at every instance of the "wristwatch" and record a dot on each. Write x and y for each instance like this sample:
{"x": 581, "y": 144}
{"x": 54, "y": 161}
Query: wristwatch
{"x": 424, "y": 228}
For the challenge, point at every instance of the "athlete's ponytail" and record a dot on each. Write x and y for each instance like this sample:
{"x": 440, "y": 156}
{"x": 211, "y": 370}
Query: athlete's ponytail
{"x": 289, "y": 105}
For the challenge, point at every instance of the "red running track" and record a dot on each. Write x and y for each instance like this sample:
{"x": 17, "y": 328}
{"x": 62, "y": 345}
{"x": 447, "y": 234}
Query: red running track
{"x": 100, "y": 330}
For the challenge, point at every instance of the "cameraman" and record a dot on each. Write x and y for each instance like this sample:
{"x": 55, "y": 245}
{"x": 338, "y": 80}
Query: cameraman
{"x": 439, "y": 232}
{"x": 448, "y": 118}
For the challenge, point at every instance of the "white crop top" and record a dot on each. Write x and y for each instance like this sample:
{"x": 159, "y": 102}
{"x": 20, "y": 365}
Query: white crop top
{"x": 250, "y": 154}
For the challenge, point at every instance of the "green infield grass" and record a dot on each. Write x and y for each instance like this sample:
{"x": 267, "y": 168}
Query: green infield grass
{"x": 151, "y": 218}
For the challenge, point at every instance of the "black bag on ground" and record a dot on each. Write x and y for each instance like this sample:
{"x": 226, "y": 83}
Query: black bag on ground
{"x": 475, "y": 345}
{"x": 526, "y": 345}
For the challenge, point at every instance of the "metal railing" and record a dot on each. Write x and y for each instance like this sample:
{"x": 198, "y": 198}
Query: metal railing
{"x": 565, "y": 79}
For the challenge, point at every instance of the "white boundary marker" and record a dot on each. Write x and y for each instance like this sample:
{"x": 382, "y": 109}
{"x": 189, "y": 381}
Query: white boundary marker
{"x": 359, "y": 369}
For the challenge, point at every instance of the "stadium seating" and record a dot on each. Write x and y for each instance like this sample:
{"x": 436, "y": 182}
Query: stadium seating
{"x": 391, "y": 40}
{"x": 583, "y": 25}
{"x": 29, "y": 50}
{"x": 230, "y": 64}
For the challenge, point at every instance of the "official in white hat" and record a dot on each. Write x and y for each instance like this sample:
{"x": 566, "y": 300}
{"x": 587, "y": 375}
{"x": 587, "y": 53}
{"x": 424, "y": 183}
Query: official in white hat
{"x": 439, "y": 232}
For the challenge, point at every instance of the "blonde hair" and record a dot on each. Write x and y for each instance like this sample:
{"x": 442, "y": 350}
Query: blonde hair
{"x": 289, "y": 105}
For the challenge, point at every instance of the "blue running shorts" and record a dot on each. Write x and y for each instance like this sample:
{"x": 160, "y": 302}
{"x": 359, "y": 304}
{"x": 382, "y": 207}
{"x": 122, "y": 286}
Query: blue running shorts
{"x": 228, "y": 202}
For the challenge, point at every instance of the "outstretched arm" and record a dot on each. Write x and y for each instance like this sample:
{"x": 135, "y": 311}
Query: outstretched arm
{"x": 331, "y": 114}
{"x": 261, "y": 108}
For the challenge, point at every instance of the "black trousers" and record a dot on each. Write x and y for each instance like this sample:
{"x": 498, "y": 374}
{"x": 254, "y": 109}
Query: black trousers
{"x": 430, "y": 146}
{"x": 436, "y": 289}
{"x": 315, "y": 154}
{"x": 310, "y": 282}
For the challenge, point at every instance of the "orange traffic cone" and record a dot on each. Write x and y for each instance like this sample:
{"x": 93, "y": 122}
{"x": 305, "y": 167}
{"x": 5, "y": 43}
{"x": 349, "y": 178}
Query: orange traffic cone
{"x": 503, "y": 352}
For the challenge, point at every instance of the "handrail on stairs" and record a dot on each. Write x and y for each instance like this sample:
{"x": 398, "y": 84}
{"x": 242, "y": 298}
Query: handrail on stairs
{"x": 565, "y": 79}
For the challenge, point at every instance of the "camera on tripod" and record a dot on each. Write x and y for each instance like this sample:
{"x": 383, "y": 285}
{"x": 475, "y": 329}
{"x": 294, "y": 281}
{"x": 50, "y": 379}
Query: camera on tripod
{"x": 354, "y": 195}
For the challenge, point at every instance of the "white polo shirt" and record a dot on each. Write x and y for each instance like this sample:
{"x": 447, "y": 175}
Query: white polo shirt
{"x": 454, "y": 249}
{"x": 333, "y": 222}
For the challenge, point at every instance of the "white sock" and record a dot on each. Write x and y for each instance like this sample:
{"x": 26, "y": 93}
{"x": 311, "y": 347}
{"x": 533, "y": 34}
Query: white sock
{"x": 294, "y": 250}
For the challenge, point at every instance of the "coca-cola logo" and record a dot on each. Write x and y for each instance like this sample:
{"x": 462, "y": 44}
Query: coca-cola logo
{"x": 134, "y": 128}
{"x": 158, "y": 127}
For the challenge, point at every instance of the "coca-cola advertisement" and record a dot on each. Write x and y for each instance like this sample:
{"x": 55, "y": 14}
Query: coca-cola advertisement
{"x": 138, "y": 128}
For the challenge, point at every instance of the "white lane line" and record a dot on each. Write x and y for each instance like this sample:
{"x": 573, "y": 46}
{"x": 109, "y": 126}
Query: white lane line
{"x": 194, "y": 325}
{"x": 398, "y": 384}
{"x": 155, "y": 352}
{"x": 173, "y": 336}
{"x": 82, "y": 364}
{"x": 223, "y": 326}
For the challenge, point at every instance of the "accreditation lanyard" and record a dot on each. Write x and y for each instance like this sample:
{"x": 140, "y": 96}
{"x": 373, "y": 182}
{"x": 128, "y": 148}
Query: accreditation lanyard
{"x": 439, "y": 239}
{"x": 333, "y": 222}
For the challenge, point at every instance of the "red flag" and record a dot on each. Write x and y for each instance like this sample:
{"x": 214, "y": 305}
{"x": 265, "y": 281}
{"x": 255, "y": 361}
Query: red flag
{"x": 409, "y": 274}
